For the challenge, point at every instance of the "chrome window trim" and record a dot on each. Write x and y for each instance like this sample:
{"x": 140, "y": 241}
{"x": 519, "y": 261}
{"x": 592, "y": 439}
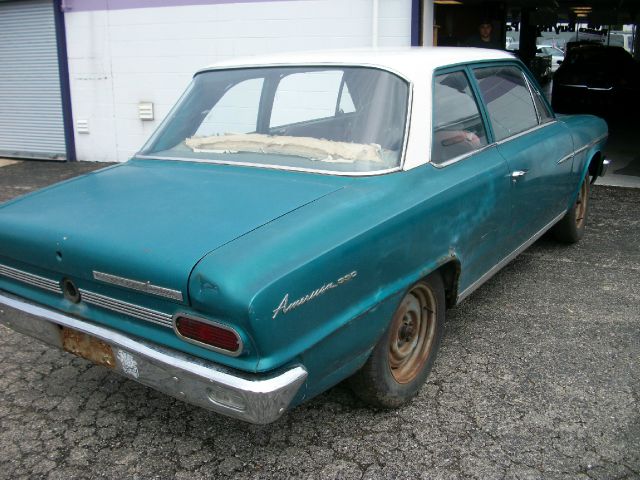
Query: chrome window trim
{"x": 533, "y": 129}
{"x": 272, "y": 167}
{"x": 30, "y": 279}
{"x": 146, "y": 287}
{"x": 498, "y": 266}
{"x": 531, "y": 94}
{"x": 464, "y": 156}
{"x": 407, "y": 125}
{"x": 206, "y": 345}
{"x": 405, "y": 142}
{"x": 535, "y": 92}
{"x": 305, "y": 65}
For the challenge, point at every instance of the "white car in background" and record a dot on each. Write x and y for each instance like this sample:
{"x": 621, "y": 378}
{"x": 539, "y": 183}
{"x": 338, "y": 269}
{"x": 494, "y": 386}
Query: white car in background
{"x": 557, "y": 55}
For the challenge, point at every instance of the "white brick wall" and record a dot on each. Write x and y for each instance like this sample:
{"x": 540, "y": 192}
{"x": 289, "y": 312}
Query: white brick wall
{"x": 119, "y": 58}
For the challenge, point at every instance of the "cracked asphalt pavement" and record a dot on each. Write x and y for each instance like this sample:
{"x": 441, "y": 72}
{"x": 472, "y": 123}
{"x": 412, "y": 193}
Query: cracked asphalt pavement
{"x": 538, "y": 377}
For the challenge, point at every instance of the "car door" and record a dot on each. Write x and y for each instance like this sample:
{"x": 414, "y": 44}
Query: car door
{"x": 538, "y": 149}
{"x": 476, "y": 175}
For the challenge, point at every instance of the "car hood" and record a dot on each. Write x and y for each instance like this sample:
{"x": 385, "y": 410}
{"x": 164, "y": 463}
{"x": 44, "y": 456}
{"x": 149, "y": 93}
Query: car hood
{"x": 147, "y": 220}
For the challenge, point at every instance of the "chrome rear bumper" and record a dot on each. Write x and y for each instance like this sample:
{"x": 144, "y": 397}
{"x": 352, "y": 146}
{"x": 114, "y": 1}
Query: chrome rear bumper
{"x": 255, "y": 398}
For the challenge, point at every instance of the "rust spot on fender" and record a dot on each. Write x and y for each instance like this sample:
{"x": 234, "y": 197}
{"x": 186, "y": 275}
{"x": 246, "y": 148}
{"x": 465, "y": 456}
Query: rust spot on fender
{"x": 88, "y": 347}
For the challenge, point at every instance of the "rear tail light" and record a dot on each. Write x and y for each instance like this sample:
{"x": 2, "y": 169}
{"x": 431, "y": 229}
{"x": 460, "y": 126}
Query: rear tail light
{"x": 208, "y": 334}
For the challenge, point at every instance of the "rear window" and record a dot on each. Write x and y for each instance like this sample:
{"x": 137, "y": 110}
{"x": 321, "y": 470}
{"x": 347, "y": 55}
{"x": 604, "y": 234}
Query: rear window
{"x": 327, "y": 119}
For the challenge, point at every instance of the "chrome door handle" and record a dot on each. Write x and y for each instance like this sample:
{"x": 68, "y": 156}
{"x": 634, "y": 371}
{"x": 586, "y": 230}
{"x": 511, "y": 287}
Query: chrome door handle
{"x": 516, "y": 174}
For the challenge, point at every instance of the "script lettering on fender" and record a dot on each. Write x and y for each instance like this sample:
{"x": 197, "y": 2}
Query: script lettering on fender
{"x": 285, "y": 307}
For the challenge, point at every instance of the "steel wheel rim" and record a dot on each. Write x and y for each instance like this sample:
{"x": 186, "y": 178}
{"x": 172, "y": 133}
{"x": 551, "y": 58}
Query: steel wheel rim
{"x": 581, "y": 203}
{"x": 413, "y": 332}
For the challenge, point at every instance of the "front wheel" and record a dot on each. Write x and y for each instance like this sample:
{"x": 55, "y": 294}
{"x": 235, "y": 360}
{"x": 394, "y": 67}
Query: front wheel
{"x": 402, "y": 358}
{"x": 571, "y": 228}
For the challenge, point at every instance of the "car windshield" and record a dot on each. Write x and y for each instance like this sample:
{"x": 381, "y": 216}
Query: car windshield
{"x": 328, "y": 119}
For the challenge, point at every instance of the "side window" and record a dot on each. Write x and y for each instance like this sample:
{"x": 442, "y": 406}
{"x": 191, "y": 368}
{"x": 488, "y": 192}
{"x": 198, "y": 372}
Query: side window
{"x": 457, "y": 124}
{"x": 508, "y": 100}
{"x": 302, "y": 97}
{"x": 235, "y": 112}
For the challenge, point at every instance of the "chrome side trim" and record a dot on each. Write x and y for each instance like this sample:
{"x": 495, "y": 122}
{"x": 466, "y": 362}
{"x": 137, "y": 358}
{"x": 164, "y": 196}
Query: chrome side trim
{"x": 102, "y": 301}
{"x": 597, "y": 89}
{"x": 255, "y": 398}
{"x": 475, "y": 285}
{"x": 145, "y": 287}
{"x": 566, "y": 157}
{"x": 30, "y": 278}
{"x": 582, "y": 149}
{"x": 125, "y": 308}
{"x": 591, "y": 144}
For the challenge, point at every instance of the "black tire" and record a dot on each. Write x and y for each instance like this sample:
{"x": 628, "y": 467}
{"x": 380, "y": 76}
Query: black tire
{"x": 403, "y": 357}
{"x": 571, "y": 228}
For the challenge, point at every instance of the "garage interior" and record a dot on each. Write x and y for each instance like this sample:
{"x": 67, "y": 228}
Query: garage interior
{"x": 533, "y": 22}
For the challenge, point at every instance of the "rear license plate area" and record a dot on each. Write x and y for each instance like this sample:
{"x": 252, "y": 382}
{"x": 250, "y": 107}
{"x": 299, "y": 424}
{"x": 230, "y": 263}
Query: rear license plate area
{"x": 88, "y": 347}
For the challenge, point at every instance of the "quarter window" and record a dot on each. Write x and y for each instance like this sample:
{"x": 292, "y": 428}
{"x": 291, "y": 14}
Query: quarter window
{"x": 508, "y": 100}
{"x": 544, "y": 114}
{"x": 457, "y": 124}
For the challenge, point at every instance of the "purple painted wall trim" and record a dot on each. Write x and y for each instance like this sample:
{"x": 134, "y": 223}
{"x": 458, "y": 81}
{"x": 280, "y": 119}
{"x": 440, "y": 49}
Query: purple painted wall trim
{"x": 416, "y": 18}
{"x": 63, "y": 78}
{"x": 89, "y": 5}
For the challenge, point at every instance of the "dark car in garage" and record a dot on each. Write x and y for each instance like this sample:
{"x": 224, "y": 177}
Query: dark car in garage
{"x": 596, "y": 78}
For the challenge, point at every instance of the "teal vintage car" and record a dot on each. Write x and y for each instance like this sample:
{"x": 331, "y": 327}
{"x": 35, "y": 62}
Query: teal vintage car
{"x": 299, "y": 220}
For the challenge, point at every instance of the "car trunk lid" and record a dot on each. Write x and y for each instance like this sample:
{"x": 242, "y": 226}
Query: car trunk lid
{"x": 148, "y": 221}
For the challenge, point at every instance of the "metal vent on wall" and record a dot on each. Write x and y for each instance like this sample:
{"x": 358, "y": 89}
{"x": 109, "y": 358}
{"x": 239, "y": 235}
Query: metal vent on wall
{"x": 82, "y": 126}
{"x": 145, "y": 111}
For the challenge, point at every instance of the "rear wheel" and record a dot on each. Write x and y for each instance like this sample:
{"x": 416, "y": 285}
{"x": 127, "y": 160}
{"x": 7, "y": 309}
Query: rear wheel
{"x": 403, "y": 357}
{"x": 571, "y": 228}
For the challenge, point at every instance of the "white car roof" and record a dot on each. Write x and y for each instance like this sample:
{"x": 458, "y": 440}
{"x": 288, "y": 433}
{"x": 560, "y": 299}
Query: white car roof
{"x": 410, "y": 62}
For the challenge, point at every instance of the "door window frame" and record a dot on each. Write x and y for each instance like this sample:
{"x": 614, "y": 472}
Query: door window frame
{"x": 464, "y": 68}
